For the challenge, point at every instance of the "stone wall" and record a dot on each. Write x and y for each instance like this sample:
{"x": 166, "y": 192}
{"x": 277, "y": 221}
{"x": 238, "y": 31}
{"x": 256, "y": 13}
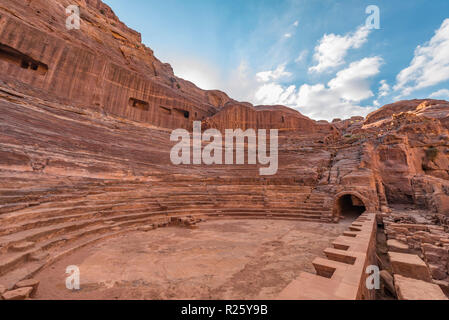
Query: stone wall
{"x": 342, "y": 275}
{"x": 424, "y": 235}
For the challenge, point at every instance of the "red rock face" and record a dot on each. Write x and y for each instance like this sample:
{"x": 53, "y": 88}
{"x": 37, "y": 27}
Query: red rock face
{"x": 103, "y": 66}
{"x": 412, "y": 154}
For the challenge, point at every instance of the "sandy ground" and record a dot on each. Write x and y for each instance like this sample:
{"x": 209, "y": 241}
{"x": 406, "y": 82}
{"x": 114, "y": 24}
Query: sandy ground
{"x": 221, "y": 259}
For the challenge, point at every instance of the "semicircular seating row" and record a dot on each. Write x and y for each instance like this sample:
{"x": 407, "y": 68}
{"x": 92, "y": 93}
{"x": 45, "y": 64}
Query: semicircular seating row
{"x": 40, "y": 225}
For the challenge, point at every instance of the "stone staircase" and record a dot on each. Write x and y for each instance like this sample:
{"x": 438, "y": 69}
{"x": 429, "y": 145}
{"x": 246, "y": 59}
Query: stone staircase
{"x": 342, "y": 274}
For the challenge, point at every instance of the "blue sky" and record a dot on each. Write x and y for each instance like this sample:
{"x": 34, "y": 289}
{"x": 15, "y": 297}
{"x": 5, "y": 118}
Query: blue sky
{"x": 316, "y": 56}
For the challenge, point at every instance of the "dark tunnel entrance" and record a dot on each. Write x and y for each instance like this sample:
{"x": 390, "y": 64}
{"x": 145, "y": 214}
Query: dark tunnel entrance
{"x": 350, "y": 207}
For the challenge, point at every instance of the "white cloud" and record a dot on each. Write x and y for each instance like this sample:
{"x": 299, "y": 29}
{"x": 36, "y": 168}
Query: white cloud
{"x": 440, "y": 94}
{"x": 339, "y": 99}
{"x": 273, "y": 93}
{"x": 266, "y": 76}
{"x": 429, "y": 66}
{"x": 301, "y": 56}
{"x": 384, "y": 88}
{"x": 296, "y": 23}
{"x": 332, "y": 49}
{"x": 287, "y": 35}
{"x": 319, "y": 102}
{"x": 351, "y": 82}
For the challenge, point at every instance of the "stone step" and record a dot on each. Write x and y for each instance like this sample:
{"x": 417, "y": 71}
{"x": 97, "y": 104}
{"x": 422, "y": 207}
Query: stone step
{"x": 46, "y": 216}
{"x": 185, "y": 203}
{"x": 12, "y": 199}
{"x": 44, "y": 212}
{"x": 326, "y": 268}
{"x": 313, "y": 202}
{"x": 245, "y": 209}
{"x": 35, "y": 234}
{"x": 340, "y": 255}
{"x": 10, "y": 261}
{"x": 20, "y": 273}
{"x": 47, "y": 206}
{"x": 303, "y": 208}
{"x": 29, "y": 269}
{"x": 13, "y": 207}
{"x": 268, "y": 215}
{"x": 33, "y": 224}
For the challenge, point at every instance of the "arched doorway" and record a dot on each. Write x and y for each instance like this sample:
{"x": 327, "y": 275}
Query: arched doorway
{"x": 349, "y": 206}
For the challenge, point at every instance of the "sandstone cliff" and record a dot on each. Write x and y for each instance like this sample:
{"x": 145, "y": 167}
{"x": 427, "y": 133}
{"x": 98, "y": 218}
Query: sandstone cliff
{"x": 102, "y": 74}
{"x": 103, "y": 66}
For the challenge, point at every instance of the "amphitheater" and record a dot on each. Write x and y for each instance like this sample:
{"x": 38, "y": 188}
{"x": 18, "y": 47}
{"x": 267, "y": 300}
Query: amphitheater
{"x": 86, "y": 180}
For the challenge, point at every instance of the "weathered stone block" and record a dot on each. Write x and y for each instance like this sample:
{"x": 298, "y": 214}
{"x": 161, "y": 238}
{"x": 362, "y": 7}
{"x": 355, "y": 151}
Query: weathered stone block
{"x": 18, "y": 294}
{"x": 440, "y": 251}
{"x": 412, "y": 289}
{"x": 444, "y": 285}
{"x": 397, "y": 246}
{"x": 409, "y": 265}
{"x": 432, "y": 258}
{"x": 2, "y": 290}
{"x": 438, "y": 272}
{"x": 33, "y": 283}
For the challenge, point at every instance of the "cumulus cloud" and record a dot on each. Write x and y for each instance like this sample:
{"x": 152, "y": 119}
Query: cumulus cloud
{"x": 440, "y": 94}
{"x": 276, "y": 74}
{"x": 296, "y": 23}
{"x": 351, "y": 84}
{"x": 430, "y": 64}
{"x": 273, "y": 93}
{"x": 287, "y": 35}
{"x": 332, "y": 49}
{"x": 340, "y": 98}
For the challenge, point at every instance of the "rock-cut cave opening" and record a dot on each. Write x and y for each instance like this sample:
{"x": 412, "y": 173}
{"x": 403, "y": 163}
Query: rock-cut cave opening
{"x": 13, "y": 56}
{"x": 350, "y": 206}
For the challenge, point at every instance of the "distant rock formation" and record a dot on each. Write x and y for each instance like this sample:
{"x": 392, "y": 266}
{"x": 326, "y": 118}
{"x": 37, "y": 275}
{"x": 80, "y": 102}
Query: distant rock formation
{"x": 244, "y": 116}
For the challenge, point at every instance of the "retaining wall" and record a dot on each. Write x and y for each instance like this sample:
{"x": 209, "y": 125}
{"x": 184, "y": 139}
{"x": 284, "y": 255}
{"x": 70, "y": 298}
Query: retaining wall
{"x": 342, "y": 274}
